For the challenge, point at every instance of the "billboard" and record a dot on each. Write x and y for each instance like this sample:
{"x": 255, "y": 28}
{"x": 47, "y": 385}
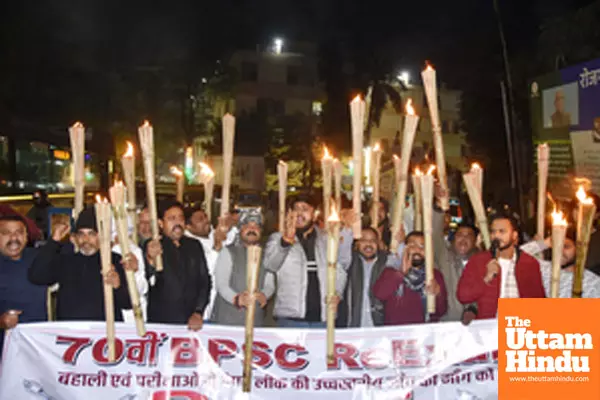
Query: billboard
{"x": 565, "y": 107}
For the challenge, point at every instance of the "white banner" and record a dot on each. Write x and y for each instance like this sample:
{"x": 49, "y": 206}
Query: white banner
{"x": 67, "y": 361}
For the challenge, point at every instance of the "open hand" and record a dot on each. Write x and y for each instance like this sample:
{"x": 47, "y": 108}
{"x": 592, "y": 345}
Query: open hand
{"x": 130, "y": 262}
{"x": 9, "y": 319}
{"x": 432, "y": 288}
{"x": 195, "y": 322}
{"x": 59, "y": 231}
{"x": 112, "y": 278}
{"x": 153, "y": 250}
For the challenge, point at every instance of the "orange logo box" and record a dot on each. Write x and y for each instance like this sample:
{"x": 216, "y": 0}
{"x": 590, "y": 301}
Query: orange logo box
{"x": 548, "y": 349}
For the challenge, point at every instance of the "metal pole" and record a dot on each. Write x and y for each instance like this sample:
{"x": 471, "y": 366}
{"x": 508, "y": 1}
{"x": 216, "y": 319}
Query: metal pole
{"x": 507, "y": 128}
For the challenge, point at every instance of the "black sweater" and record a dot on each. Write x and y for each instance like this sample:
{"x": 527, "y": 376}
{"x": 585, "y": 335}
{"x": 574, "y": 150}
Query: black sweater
{"x": 81, "y": 292}
{"x": 183, "y": 286}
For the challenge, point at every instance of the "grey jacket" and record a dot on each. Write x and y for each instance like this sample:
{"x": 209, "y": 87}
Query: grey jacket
{"x": 355, "y": 290}
{"x": 290, "y": 266}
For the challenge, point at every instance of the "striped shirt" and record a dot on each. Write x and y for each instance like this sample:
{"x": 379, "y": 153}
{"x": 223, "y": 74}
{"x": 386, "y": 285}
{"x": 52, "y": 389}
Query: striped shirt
{"x": 509, "y": 288}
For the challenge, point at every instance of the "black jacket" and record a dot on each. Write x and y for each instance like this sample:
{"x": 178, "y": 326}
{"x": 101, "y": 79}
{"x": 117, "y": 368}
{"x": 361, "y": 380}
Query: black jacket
{"x": 81, "y": 291}
{"x": 182, "y": 287}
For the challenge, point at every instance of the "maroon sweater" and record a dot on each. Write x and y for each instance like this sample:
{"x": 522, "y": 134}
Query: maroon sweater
{"x": 472, "y": 288}
{"x": 409, "y": 307}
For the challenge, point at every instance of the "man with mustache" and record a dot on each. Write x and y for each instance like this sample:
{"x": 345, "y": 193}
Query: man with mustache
{"x": 20, "y": 300}
{"x": 591, "y": 282}
{"x": 404, "y": 292}
{"x": 79, "y": 274}
{"x": 368, "y": 262}
{"x": 198, "y": 227}
{"x": 181, "y": 291}
{"x": 298, "y": 257}
{"x": 510, "y": 274}
{"x": 230, "y": 277}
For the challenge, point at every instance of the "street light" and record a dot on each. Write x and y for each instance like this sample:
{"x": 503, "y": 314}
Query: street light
{"x": 277, "y": 45}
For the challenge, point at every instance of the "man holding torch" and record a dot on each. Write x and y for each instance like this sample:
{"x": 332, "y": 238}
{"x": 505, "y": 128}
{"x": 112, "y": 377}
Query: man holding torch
{"x": 231, "y": 277}
{"x": 298, "y": 258}
{"x": 180, "y": 292}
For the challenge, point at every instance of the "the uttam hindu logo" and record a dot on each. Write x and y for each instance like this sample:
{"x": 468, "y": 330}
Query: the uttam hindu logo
{"x": 524, "y": 344}
{"x": 548, "y": 348}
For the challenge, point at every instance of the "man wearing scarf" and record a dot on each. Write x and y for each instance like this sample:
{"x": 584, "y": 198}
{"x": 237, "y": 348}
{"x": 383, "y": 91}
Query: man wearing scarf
{"x": 79, "y": 274}
{"x": 181, "y": 291}
{"x": 231, "y": 278}
{"x": 299, "y": 260}
{"x": 404, "y": 292}
{"x": 591, "y": 282}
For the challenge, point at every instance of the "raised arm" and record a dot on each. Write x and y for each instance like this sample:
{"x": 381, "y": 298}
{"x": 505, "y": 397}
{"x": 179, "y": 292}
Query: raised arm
{"x": 275, "y": 253}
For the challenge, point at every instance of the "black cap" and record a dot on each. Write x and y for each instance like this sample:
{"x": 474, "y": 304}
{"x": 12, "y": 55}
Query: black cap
{"x": 87, "y": 219}
{"x": 166, "y": 205}
{"x": 305, "y": 198}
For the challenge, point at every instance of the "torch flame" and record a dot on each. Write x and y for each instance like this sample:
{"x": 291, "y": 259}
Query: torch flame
{"x": 377, "y": 147}
{"x": 118, "y": 183}
{"x": 100, "y": 199}
{"x": 333, "y": 215}
{"x": 206, "y": 170}
{"x": 176, "y": 171}
{"x": 582, "y": 196}
{"x": 146, "y": 124}
{"x": 409, "y": 108}
{"x": 326, "y": 154}
{"x": 396, "y": 157}
{"x": 77, "y": 125}
{"x": 418, "y": 171}
{"x": 558, "y": 218}
{"x": 475, "y": 166}
{"x": 280, "y": 162}
{"x": 428, "y": 66}
{"x": 357, "y": 99}
{"x": 431, "y": 169}
{"x": 129, "y": 152}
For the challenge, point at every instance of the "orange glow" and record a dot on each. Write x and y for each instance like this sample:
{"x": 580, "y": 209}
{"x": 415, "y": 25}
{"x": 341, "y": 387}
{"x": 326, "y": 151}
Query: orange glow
{"x": 431, "y": 169}
{"x": 582, "y": 196}
{"x": 418, "y": 172}
{"x": 206, "y": 170}
{"x": 357, "y": 99}
{"x": 558, "y": 218}
{"x": 396, "y": 158}
{"x": 146, "y": 124}
{"x": 129, "y": 152}
{"x": 326, "y": 155}
{"x": 475, "y": 166}
{"x": 333, "y": 215}
{"x": 428, "y": 66}
{"x": 101, "y": 200}
{"x": 118, "y": 183}
{"x": 377, "y": 147}
{"x": 77, "y": 125}
{"x": 176, "y": 171}
{"x": 409, "y": 108}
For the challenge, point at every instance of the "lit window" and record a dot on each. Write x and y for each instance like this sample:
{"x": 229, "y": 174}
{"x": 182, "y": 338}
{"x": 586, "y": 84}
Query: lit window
{"x": 317, "y": 108}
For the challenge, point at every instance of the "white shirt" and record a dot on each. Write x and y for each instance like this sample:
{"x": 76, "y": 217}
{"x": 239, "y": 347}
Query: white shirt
{"x": 509, "y": 288}
{"x": 140, "y": 280}
{"x": 208, "y": 244}
{"x": 366, "y": 319}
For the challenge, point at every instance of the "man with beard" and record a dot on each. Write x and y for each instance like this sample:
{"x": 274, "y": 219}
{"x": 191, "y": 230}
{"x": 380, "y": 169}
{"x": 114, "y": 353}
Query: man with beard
{"x": 404, "y": 292}
{"x": 451, "y": 259}
{"x": 212, "y": 240}
{"x": 364, "y": 309}
{"x": 507, "y": 274}
{"x": 591, "y": 282}
{"x": 299, "y": 260}
{"x": 79, "y": 275}
{"x": 20, "y": 300}
{"x": 231, "y": 280}
{"x": 181, "y": 291}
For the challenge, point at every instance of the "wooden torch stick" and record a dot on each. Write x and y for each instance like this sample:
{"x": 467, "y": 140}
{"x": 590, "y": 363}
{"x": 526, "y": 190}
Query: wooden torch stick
{"x": 207, "y": 178}
{"x": 252, "y": 269}
{"x": 228, "y": 141}
{"x": 180, "y": 181}
{"x": 471, "y": 183}
{"x": 426, "y": 183}
{"x": 128, "y": 164}
{"x": 282, "y": 174}
{"x": 543, "y": 156}
{"x": 559, "y": 231}
{"x": 377, "y": 153}
{"x": 585, "y": 222}
{"x": 333, "y": 240}
{"x": 431, "y": 92}
{"x": 410, "y": 129}
{"x": 103, "y": 217}
{"x": 117, "y": 199}
{"x": 326, "y": 170}
{"x": 146, "y": 134}
{"x": 417, "y": 201}
{"x": 357, "y": 113}
{"x": 337, "y": 183}
{"x": 77, "y": 136}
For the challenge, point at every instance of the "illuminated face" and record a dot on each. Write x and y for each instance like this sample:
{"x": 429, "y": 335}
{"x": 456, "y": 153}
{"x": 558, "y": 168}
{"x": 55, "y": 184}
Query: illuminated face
{"x": 250, "y": 233}
{"x": 464, "y": 240}
{"x": 144, "y": 226}
{"x": 367, "y": 244}
{"x": 199, "y": 224}
{"x": 416, "y": 250}
{"x": 568, "y": 253}
{"x": 305, "y": 214}
{"x": 172, "y": 223}
{"x": 87, "y": 241}
{"x": 503, "y": 231}
{"x": 13, "y": 238}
